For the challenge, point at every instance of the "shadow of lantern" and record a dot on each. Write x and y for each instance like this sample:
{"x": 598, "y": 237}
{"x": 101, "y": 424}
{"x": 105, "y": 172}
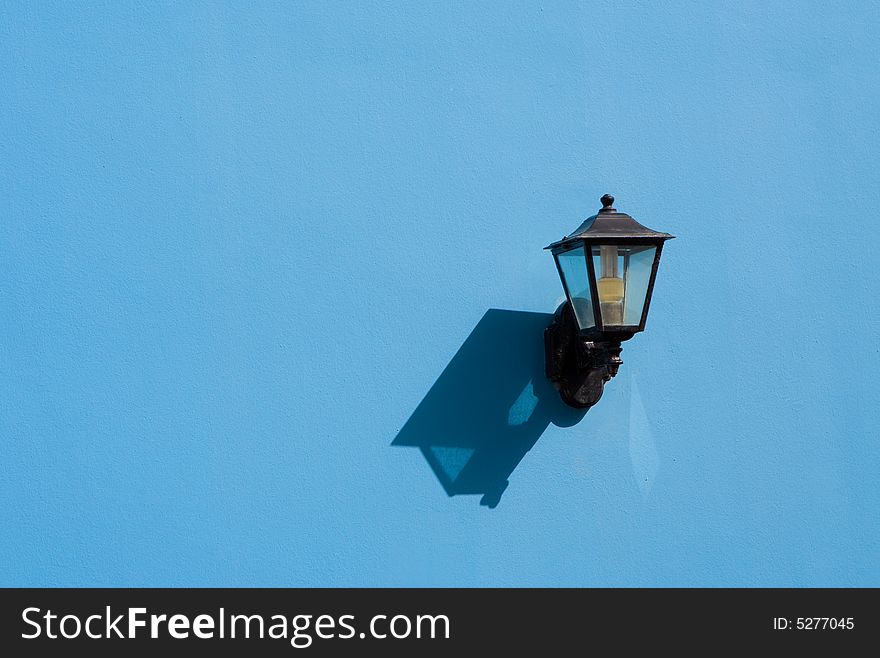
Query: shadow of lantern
{"x": 488, "y": 407}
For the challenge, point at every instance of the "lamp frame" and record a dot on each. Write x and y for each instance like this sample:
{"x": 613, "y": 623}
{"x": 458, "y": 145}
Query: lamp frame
{"x": 579, "y": 362}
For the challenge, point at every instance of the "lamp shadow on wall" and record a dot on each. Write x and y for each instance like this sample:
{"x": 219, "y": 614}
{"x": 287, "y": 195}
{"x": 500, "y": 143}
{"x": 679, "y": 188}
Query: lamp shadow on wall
{"x": 489, "y": 407}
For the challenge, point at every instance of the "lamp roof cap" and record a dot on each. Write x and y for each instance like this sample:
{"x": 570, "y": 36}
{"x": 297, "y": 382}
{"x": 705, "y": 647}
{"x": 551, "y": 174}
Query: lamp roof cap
{"x": 610, "y": 225}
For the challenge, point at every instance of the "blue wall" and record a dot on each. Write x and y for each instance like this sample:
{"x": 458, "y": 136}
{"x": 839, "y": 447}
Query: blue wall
{"x": 239, "y": 247}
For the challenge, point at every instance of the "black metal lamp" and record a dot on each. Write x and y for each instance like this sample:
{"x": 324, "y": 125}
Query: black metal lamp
{"x": 607, "y": 267}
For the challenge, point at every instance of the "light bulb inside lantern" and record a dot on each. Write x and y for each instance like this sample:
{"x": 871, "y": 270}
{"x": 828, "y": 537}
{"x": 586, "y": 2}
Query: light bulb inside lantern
{"x": 610, "y": 286}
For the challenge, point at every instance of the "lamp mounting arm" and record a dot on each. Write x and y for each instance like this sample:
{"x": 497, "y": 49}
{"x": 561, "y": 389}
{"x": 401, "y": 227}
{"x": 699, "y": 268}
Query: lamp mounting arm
{"x": 578, "y": 365}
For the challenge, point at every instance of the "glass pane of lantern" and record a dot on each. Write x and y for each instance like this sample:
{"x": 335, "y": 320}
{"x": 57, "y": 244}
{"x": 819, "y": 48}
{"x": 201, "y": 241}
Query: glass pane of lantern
{"x": 622, "y": 276}
{"x": 573, "y": 264}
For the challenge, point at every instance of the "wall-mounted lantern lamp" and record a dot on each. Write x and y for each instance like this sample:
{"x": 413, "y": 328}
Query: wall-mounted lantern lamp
{"x": 607, "y": 267}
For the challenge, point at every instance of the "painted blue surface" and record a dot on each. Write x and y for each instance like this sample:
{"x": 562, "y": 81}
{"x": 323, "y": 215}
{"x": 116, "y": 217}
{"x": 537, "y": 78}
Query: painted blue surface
{"x": 239, "y": 245}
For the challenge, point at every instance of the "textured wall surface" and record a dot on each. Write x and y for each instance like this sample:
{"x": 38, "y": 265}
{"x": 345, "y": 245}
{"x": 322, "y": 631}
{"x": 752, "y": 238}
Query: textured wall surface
{"x": 272, "y": 289}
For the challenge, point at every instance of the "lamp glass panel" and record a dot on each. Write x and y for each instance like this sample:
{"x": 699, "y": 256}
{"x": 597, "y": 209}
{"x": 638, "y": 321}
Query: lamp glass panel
{"x": 623, "y": 273}
{"x": 573, "y": 264}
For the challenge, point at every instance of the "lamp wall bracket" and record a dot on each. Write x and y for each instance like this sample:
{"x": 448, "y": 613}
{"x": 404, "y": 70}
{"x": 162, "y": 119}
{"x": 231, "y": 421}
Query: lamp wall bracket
{"x": 579, "y": 363}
